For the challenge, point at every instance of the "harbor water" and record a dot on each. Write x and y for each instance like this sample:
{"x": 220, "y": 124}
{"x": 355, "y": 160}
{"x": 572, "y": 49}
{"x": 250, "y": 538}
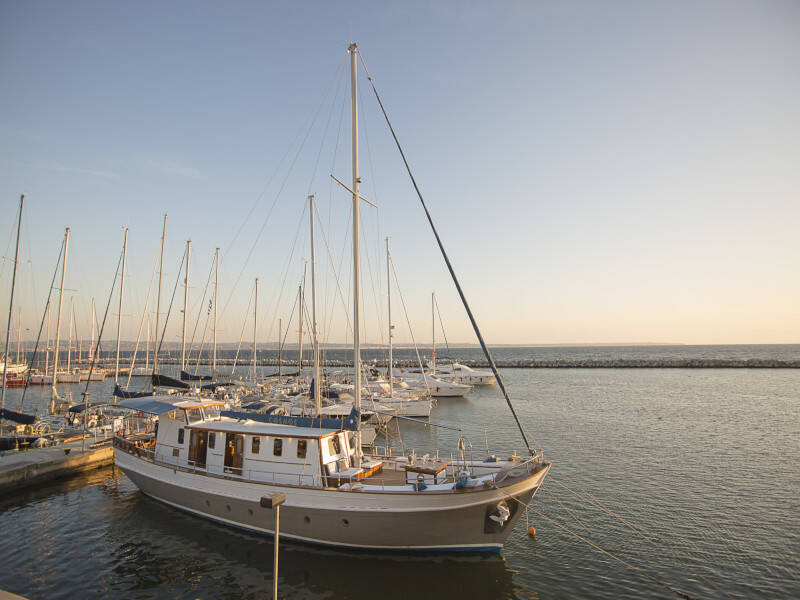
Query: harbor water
{"x": 705, "y": 461}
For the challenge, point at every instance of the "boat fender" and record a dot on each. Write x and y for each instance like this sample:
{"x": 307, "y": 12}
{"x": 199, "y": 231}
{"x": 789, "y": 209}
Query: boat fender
{"x": 490, "y": 458}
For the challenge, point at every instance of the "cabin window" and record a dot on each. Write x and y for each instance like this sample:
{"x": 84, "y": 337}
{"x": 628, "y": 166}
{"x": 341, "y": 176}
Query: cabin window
{"x": 333, "y": 445}
{"x": 180, "y": 435}
{"x": 256, "y": 445}
{"x": 277, "y": 447}
{"x": 212, "y": 439}
{"x": 211, "y": 412}
{"x": 193, "y": 415}
{"x": 302, "y": 446}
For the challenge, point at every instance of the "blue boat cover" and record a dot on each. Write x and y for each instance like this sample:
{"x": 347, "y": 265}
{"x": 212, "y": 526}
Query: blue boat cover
{"x": 171, "y": 382}
{"x": 120, "y": 393}
{"x": 189, "y": 377}
{"x": 17, "y": 417}
{"x": 350, "y": 422}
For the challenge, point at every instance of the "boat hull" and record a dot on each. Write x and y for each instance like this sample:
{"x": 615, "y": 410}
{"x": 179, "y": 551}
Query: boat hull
{"x": 453, "y": 521}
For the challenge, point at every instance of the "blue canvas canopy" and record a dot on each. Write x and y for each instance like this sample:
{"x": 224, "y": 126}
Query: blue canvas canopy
{"x": 120, "y": 393}
{"x": 160, "y": 405}
{"x": 350, "y": 422}
{"x": 189, "y": 377}
{"x": 17, "y": 417}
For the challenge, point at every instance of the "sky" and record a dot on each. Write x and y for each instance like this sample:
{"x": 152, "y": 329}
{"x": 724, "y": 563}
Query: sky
{"x": 600, "y": 172}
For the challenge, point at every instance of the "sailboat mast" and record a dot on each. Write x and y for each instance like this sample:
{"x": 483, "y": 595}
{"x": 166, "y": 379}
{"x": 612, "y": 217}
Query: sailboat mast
{"x": 315, "y": 342}
{"x": 121, "y": 290}
{"x": 216, "y": 290}
{"x": 149, "y": 339}
{"x": 158, "y": 301}
{"x": 255, "y": 328}
{"x": 389, "y": 305}
{"x": 356, "y": 265}
{"x": 69, "y": 342}
{"x": 280, "y": 347}
{"x": 11, "y": 306}
{"x": 60, "y": 303}
{"x": 185, "y": 303}
{"x": 433, "y": 334}
{"x": 19, "y": 330}
{"x": 300, "y": 333}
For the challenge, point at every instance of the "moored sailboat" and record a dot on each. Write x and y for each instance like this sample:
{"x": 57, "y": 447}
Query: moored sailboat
{"x": 220, "y": 465}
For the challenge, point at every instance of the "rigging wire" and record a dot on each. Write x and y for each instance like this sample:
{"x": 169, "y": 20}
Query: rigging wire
{"x": 441, "y": 323}
{"x": 449, "y": 265}
{"x": 141, "y": 325}
{"x": 277, "y": 196}
{"x": 171, "y": 300}
{"x": 244, "y": 324}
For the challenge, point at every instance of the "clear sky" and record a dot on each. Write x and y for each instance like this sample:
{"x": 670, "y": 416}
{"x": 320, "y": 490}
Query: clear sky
{"x": 599, "y": 171}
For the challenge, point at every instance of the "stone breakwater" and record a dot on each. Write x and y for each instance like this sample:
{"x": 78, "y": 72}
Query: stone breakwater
{"x": 530, "y": 363}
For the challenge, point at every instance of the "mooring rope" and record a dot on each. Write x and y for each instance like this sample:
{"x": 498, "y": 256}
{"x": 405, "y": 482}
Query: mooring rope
{"x": 646, "y": 535}
{"x": 642, "y": 572}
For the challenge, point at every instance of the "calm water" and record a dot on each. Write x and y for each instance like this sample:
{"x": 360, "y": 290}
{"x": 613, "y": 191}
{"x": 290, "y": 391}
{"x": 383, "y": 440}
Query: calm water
{"x": 705, "y": 460}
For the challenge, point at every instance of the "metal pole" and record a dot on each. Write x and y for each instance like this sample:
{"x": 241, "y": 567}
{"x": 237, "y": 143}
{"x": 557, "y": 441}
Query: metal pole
{"x": 356, "y": 265}
{"x": 69, "y": 343}
{"x": 58, "y": 317}
{"x": 255, "y": 327}
{"x": 300, "y": 332}
{"x": 433, "y": 335}
{"x": 11, "y": 307}
{"x": 158, "y": 302}
{"x": 389, "y": 302}
{"x": 216, "y": 289}
{"x": 280, "y": 347}
{"x": 275, "y": 558}
{"x": 185, "y": 302}
{"x": 121, "y": 290}
{"x": 317, "y": 390}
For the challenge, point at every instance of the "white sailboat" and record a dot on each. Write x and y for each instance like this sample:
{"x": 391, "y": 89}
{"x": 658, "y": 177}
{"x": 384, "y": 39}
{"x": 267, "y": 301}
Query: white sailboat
{"x": 221, "y": 467}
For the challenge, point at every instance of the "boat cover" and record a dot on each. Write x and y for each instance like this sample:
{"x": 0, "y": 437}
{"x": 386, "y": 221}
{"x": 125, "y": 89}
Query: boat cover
{"x": 350, "y": 422}
{"x": 171, "y": 382}
{"x": 17, "y": 417}
{"x": 189, "y": 377}
{"x": 160, "y": 405}
{"x": 120, "y": 393}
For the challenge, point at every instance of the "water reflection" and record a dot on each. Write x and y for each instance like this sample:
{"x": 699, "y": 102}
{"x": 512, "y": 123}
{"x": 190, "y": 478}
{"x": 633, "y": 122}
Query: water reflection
{"x": 140, "y": 548}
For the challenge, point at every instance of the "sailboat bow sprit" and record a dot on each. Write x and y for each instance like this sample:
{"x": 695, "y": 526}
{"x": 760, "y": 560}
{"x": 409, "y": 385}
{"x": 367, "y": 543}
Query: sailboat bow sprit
{"x": 221, "y": 465}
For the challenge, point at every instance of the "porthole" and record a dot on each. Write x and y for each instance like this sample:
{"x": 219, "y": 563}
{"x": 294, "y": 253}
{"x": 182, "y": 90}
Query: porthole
{"x": 250, "y": 511}
{"x": 307, "y": 519}
{"x": 345, "y": 522}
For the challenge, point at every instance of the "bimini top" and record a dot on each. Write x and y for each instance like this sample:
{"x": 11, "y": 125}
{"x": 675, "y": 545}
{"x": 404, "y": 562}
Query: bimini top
{"x": 159, "y": 405}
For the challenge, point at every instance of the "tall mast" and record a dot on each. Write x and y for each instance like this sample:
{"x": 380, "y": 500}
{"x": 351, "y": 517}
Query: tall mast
{"x": 11, "y": 306}
{"x": 280, "y": 347}
{"x": 47, "y": 345}
{"x": 216, "y": 289}
{"x": 255, "y": 329}
{"x": 185, "y": 302}
{"x": 356, "y": 265}
{"x": 317, "y": 390}
{"x": 433, "y": 334}
{"x": 60, "y": 303}
{"x": 121, "y": 290}
{"x": 94, "y": 321}
{"x": 389, "y": 303}
{"x": 149, "y": 338}
{"x": 300, "y": 332}
{"x": 19, "y": 330}
{"x": 158, "y": 301}
{"x": 69, "y": 343}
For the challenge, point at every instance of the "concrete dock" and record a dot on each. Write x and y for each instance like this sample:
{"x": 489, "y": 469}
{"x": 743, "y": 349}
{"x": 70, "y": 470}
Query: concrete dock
{"x": 39, "y": 465}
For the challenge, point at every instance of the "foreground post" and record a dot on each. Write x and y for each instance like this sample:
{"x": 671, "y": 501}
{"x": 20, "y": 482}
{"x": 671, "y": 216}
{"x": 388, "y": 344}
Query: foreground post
{"x": 274, "y": 500}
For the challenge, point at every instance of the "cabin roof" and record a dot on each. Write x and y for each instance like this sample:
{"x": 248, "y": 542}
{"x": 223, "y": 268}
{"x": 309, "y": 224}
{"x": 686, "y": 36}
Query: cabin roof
{"x": 249, "y": 427}
{"x": 159, "y": 405}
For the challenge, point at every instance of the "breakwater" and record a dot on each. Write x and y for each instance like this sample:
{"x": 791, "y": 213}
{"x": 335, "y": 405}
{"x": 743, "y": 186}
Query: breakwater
{"x": 526, "y": 363}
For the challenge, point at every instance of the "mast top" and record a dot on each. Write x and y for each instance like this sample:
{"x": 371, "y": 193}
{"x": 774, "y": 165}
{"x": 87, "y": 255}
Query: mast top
{"x": 352, "y": 47}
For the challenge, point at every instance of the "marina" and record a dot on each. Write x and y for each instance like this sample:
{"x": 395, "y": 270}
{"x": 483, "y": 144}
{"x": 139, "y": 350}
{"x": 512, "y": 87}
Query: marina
{"x": 487, "y": 301}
